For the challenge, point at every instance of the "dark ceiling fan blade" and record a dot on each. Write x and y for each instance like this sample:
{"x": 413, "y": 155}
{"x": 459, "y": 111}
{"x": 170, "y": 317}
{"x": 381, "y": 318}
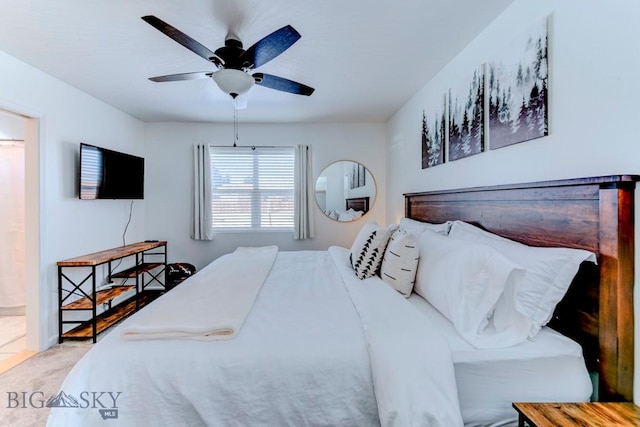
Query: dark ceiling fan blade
{"x": 181, "y": 38}
{"x": 182, "y": 76}
{"x": 280, "y": 83}
{"x": 270, "y": 46}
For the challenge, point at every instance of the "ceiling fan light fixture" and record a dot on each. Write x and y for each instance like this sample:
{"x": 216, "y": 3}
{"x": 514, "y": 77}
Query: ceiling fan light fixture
{"x": 233, "y": 82}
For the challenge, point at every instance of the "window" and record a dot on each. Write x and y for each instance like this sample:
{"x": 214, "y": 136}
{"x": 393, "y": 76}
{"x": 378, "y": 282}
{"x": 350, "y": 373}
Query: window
{"x": 252, "y": 189}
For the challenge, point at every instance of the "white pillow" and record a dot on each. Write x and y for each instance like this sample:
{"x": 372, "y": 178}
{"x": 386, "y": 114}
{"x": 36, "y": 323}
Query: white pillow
{"x": 349, "y": 215}
{"x": 331, "y": 214}
{"x": 368, "y": 249}
{"x": 474, "y": 286}
{"x": 417, "y": 227}
{"x": 549, "y": 271}
{"x": 400, "y": 262}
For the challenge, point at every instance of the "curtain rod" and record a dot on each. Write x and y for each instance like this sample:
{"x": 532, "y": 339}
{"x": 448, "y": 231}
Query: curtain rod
{"x": 253, "y": 147}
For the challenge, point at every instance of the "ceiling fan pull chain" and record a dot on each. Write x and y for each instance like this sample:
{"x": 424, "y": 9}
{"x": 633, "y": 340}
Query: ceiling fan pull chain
{"x": 235, "y": 121}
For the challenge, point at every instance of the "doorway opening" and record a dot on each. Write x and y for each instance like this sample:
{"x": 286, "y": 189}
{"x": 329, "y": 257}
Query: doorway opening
{"x": 19, "y": 277}
{"x": 13, "y": 325}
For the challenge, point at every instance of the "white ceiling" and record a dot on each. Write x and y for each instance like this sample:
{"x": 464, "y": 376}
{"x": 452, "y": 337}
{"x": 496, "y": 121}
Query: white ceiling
{"x": 364, "y": 58}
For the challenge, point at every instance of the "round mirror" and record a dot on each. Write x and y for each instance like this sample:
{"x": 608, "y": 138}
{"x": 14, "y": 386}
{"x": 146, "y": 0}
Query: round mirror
{"x": 345, "y": 191}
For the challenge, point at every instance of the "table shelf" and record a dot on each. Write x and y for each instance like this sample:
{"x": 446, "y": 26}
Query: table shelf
{"x": 102, "y": 297}
{"x": 149, "y": 267}
{"x": 135, "y": 270}
{"x": 111, "y": 317}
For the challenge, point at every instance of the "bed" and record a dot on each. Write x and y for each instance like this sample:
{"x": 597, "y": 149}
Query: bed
{"x": 355, "y": 208}
{"x": 596, "y": 214}
{"x": 358, "y": 204}
{"x": 336, "y": 350}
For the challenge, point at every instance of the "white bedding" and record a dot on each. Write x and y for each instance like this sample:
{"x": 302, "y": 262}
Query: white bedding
{"x": 226, "y": 291}
{"x": 549, "y": 368}
{"x": 312, "y": 351}
{"x": 410, "y": 362}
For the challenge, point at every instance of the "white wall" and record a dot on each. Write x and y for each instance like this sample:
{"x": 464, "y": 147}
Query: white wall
{"x": 65, "y": 226}
{"x": 594, "y": 60}
{"x": 169, "y": 179}
{"x": 594, "y": 88}
{"x": 68, "y": 227}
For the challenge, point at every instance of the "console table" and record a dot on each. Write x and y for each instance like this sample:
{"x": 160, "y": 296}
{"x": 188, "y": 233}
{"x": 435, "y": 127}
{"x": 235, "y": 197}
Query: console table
{"x": 78, "y": 290}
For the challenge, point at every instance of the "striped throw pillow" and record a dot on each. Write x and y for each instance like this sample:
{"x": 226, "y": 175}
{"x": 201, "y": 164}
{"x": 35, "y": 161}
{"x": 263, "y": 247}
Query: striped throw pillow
{"x": 400, "y": 262}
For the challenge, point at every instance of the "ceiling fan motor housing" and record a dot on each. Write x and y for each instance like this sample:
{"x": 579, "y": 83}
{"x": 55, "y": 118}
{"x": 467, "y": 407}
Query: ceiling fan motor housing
{"x": 231, "y": 54}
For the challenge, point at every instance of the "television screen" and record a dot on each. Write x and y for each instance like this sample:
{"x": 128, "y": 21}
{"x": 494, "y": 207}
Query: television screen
{"x": 108, "y": 174}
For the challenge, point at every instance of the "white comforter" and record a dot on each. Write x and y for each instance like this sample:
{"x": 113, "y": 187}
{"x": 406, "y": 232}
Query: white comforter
{"x": 314, "y": 351}
{"x": 226, "y": 291}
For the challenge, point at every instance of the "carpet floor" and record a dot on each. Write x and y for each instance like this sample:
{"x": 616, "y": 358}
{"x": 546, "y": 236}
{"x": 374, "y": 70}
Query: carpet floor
{"x": 25, "y": 388}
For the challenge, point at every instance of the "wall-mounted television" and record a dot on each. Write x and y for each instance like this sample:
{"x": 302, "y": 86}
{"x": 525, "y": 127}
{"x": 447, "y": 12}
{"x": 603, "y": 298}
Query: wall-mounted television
{"x": 109, "y": 174}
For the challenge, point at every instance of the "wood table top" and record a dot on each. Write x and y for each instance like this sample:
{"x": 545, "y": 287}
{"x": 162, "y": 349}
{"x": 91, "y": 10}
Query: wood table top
{"x": 101, "y": 257}
{"x": 584, "y": 414}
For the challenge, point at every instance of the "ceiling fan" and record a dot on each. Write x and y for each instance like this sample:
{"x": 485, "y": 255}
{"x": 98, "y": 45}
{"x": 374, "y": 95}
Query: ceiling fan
{"x": 234, "y": 63}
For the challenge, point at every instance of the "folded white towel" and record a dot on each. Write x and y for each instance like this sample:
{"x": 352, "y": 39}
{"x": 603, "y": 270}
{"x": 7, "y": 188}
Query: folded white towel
{"x": 212, "y": 304}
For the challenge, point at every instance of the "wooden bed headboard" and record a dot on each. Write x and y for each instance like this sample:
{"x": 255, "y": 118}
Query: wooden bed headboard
{"x": 596, "y": 214}
{"x": 358, "y": 204}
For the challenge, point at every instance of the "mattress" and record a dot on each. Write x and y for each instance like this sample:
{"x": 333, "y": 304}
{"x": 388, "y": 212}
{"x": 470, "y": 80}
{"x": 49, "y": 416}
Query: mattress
{"x": 549, "y": 368}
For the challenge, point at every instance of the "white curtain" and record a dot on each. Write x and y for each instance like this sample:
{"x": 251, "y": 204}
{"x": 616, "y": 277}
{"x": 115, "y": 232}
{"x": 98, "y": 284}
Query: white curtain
{"x": 303, "y": 217}
{"x": 201, "y": 228}
{"x": 12, "y": 243}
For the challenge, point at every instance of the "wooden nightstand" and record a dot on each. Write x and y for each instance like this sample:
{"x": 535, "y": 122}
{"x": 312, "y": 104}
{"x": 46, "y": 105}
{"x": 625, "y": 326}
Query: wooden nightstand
{"x": 592, "y": 414}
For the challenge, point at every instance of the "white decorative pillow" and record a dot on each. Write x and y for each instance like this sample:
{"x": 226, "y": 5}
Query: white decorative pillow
{"x": 368, "y": 249}
{"x": 549, "y": 271}
{"x": 331, "y": 213}
{"x": 417, "y": 227}
{"x": 474, "y": 286}
{"x": 349, "y": 215}
{"x": 400, "y": 261}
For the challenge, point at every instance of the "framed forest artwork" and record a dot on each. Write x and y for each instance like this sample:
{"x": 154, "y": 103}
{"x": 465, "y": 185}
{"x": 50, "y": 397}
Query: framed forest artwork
{"x": 357, "y": 176}
{"x": 518, "y": 77}
{"x": 466, "y": 116}
{"x": 433, "y": 134}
